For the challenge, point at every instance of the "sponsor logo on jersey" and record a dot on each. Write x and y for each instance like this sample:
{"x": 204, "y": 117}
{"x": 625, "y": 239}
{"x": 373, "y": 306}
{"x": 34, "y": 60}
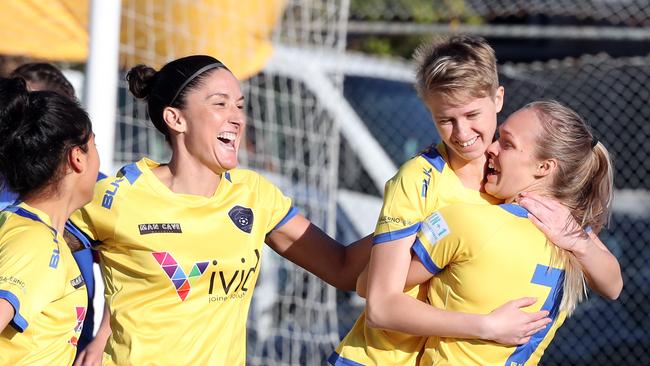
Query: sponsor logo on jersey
{"x": 81, "y": 315}
{"x": 426, "y": 181}
{"x": 181, "y": 281}
{"x": 435, "y": 228}
{"x": 54, "y": 259}
{"x": 232, "y": 285}
{"x": 13, "y": 281}
{"x": 77, "y": 282}
{"x": 242, "y": 217}
{"x": 394, "y": 220}
{"x": 107, "y": 200}
{"x": 161, "y": 228}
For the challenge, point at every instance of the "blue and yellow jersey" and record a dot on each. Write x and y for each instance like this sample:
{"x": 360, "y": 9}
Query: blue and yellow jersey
{"x": 41, "y": 280}
{"x": 421, "y": 186}
{"x": 483, "y": 256}
{"x": 179, "y": 270}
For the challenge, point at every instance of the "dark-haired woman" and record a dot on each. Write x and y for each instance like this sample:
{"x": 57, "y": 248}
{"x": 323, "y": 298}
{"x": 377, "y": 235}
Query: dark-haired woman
{"x": 180, "y": 243}
{"x": 48, "y": 157}
{"x": 41, "y": 76}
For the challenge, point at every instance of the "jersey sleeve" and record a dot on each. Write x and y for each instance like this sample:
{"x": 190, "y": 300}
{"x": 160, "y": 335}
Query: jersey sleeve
{"x": 404, "y": 203}
{"x": 278, "y": 206}
{"x": 440, "y": 241}
{"x": 25, "y": 278}
{"x": 95, "y": 222}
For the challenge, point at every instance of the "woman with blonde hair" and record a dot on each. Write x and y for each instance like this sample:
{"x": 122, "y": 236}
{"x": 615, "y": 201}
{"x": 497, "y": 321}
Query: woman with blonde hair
{"x": 479, "y": 256}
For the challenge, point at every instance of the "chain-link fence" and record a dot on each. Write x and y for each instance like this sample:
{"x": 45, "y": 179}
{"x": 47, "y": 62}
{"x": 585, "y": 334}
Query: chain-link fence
{"x": 333, "y": 113}
{"x": 611, "y": 93}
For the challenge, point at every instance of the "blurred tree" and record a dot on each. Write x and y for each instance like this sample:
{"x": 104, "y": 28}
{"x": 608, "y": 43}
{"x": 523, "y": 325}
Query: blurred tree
{"x": 453, "y": 12}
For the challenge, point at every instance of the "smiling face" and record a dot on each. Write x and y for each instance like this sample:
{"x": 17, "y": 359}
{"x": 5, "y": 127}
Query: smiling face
{"x": 215, "y": 121}
{"x": 513, "y": 166}
{"x": 467, "y": 129}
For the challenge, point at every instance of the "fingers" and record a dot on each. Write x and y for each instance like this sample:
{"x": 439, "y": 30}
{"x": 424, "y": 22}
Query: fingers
{"x": 538, "y": 315}
{"x": 524, "y": 302}
{"x": 80, "y": 359}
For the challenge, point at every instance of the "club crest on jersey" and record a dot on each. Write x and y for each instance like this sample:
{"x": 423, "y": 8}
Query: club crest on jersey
{"x": 242, "y": 217}
{"x": 182, "y": 282}
{"x": 435, "y": 228}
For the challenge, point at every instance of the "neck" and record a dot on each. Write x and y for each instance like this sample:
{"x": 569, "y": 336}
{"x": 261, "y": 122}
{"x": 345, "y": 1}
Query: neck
{"x": 186, "y": 175}
{"x": 57, "y": 207}
{"x": 470, "y": 173}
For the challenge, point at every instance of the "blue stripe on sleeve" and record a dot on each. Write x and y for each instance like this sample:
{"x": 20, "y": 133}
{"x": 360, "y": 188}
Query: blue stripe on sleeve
{"x": 131, "y": 172}
{"x": 337, "y": 360}
{"x": 435, "y": 159}
{"x": 18, "y": 322}
{"x": 425, "y": 258}
{"x": 397, "y": 234}
{"x": 292, "y": 212}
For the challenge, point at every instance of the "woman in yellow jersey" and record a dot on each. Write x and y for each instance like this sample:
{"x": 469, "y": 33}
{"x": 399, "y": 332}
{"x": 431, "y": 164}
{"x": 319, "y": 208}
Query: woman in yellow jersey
{"x": 458, "y": 82}
{"x": 484, "y": 255}
{"x": 180, "y": 242}
{"x": 48, "y": 157}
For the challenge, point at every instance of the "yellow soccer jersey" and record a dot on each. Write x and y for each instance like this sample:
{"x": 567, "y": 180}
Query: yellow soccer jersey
{"x": 484, "y": 256}
{"x": 179, "y": 270}
{"x": 41, "y": 280}
{"x": 421, "y": 186}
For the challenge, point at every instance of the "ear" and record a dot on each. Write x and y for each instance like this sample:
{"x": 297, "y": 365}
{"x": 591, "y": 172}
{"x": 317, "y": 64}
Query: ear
{"x": 498, "y": 98}
{"x": 77, "y": 160}
{"x": 546, "y": 168}
{"x": 174, "y": 119}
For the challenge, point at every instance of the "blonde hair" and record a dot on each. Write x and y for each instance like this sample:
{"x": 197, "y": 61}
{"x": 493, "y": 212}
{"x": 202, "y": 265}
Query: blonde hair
{"x": 457, "y": 68}
{"x": 583, "y": 181}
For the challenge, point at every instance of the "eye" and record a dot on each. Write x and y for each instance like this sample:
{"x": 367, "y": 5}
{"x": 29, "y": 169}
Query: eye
{"x": 473, "y": 116}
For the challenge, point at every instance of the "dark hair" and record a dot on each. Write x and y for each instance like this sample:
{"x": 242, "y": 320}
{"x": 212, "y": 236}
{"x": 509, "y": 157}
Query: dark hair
{"x": 169, "y": 86}
{"x": 37, "y": 129}
{"x": 47, "y": 75}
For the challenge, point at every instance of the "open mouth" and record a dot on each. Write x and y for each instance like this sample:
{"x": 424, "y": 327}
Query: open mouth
{"x": 491, "y": 169}
{"x": 227, "y": 138}
{"x": 467, "y": 143}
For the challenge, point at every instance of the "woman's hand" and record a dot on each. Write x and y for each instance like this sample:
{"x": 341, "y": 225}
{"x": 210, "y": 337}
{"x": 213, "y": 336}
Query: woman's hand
{"x": 92, "y": 354}
{"x": 554, "y": 220}
{"x": 510, "y": 325}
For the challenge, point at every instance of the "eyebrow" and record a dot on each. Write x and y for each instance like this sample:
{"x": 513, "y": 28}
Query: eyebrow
{"x": 223, "y": 95}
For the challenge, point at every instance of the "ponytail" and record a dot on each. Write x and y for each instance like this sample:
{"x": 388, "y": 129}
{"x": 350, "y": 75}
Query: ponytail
{"x": 583, "y": 181}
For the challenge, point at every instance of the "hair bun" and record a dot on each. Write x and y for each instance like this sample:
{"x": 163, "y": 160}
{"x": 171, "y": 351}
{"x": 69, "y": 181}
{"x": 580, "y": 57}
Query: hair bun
{"x": 141, "y": 79}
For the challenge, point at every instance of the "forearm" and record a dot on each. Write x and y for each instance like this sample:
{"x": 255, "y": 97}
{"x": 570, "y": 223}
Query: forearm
{"x": 104, "y": 330}
{"x": 400, "y": 312}
{"x": 601, "y": 268}
{"x": 6, "y": 313}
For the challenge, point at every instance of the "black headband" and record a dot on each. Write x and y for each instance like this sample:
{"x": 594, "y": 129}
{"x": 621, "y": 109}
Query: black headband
{"x": 193, "y": 76}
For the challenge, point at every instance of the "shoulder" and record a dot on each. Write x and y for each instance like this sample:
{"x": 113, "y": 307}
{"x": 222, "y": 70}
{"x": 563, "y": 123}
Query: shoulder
{"x": 250, "y": 178}
{"x": 22, "y": 235}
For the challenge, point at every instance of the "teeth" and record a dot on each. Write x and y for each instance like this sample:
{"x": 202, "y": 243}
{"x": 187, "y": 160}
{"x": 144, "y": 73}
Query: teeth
{"x": 490, "y": 165}
{"x": 468, "y": 142}
{"x": 227, "y": 135}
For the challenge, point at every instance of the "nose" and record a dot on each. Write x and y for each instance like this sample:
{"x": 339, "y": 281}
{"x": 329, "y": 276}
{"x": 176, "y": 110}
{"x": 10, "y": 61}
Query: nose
{"x": 462, "y": 130}
{"x": 237, "y": 116}
{"x": 493, "y": 149}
